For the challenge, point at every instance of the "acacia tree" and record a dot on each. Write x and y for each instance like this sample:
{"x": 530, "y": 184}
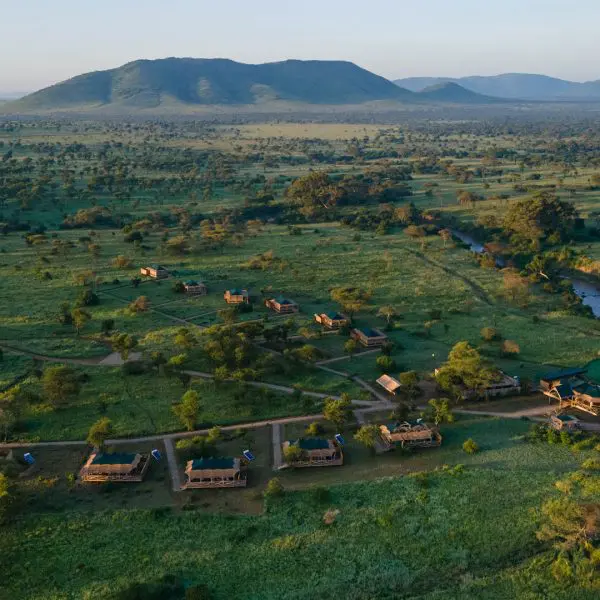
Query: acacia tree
{"x": 188, "y": 409}
{"x": 466, "y": 367}
{"x": 367, "y": 435}
{"x": 388, "y": 313}
{"x": 351, "y": 299}
{"x": 337, "y": 411}
{"x": 60, "y": 384}
{"x": 99, "y": 432}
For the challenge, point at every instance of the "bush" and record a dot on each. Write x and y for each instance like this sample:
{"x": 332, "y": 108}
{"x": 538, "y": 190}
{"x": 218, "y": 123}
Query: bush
{"x": 87, "y": 298}
{"x": 315, "y": 429}
{"x": 470, "y": 446}
{"x": 274, "y": 488}
{"x": 490, "y": 334}
{"x": 385, "y": 363}
{"x": 197, "y": 592}
{"x": 136, "y": 367}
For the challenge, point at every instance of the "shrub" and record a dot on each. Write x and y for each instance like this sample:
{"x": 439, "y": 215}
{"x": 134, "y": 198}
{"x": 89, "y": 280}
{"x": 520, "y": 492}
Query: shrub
{"x": 87, "y": 298}
{"x": 510, "y": 348}
{"x": 274, "y": 488}
{"x": 385, "y": 363}
{"x": 490, "y": 334}
{"x": 470, "y": 446}
{"x": 315, "y": 429}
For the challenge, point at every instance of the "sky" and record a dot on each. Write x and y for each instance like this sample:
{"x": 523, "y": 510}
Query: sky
{"x": 46, "y": 41}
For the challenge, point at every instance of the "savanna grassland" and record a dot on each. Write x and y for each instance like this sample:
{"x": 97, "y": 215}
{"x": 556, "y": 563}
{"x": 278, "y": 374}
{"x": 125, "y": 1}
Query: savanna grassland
{"x": 362, "y": 219}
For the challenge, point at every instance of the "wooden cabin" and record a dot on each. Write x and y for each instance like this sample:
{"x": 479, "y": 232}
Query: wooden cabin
{"x": 282, "y": 305}
{"x": 369, "y": 337}
{"x": 121, "y": 466}
{"x": 389, "y": 384}
{"x": 215, "y": 473}
{"x": 195, "y": 288}
{"x": 332, "y": 320}
{"x": 566, "y": 422}
{"x": 316, "y": 452}
{"x": 410, "y": 435}
{"x": 155, "y": 272}
{"x": 237, "y": 296}
{"x": 505, "y": 386}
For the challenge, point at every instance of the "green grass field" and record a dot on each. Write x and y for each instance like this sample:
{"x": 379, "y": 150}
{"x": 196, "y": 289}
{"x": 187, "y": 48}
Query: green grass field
{"x": 417, "y": 536}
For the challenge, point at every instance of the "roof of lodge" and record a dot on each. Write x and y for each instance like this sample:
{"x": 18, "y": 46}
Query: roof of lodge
{"x": 397, "y": 424}
{"x": 200, "y": 464}
{"x": 311, "y": 443}
{"x": 588, "y": 389}
{"x": 370, "y": 332}
{"x": 237, "y": 292}
{"x": 563, "y": 374}
{"x": 282, "y": 300}
{"x": 157, "y": 267}
{"x": 192, "y": 282}
{"x": 335, "y": 316}
{"x": 116, "y": 458}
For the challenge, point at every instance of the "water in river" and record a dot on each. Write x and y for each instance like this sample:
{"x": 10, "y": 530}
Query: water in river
{"x": 588, "y": 292}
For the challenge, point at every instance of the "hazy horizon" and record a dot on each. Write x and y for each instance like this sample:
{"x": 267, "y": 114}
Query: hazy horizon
{"x": 50, "y": 43}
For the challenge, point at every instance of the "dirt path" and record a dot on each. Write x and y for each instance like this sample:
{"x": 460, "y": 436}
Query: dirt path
{"x": 172, "y": 463}
{"x": 277, "y": 454}
{"x": 347, "y": 357}
{"x": 475, "y": 287}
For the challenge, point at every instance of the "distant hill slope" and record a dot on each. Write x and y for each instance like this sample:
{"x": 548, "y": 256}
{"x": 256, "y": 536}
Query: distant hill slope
{"x": 194, "y": 82}
{"x": 513, "y": 86}
{"x": 452, "y": 92}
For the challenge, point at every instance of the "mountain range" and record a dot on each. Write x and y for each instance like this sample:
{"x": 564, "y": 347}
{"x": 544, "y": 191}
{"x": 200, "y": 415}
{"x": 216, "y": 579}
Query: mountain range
{"x": 513, "y": 86}
{"x": 179, "y": 84}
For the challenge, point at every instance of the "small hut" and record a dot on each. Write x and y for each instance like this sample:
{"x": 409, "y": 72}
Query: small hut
{"x": 369, "y": 337}
{"x": 282, "y": 305}
{"x": 316, "y": 452}
{"x": 566, "y": 422}
{"x": 195, "y": 288}
{"x": 237, "y": 296}
{"x": 332, "y": 320}
{"x": 410, "y": 435}
{"x": 389, "y": 384}
{"x": 120, "y": 466}
{"x": 215, "y": 473}
{"x": 155, "y": 272}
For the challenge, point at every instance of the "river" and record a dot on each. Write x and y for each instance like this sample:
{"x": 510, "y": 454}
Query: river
{"x": 588, "y": 292}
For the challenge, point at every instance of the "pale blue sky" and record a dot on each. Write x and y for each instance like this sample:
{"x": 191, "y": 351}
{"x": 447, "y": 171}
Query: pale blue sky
{"x": 44, "y": 41}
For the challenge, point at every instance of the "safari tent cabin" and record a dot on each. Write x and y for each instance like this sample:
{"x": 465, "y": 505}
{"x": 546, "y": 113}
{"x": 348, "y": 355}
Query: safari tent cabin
{"x": 195, "y": 288}
{"x": 410, "y": 435}
{"x": 316, "y": 452}
{"x": 155, "y": 272}
{"x": 282, "y": 305}
{"x": 572, "y": 390}
{"x": 369, "y": 337}
{"x": 505, "y": 386}
{"x": 120, "y": 466}
{"x": 237, "y": 296}
{"x": 215, "y": 473}
{"x": 389, "y": 384}
{"x": 556, "y": 378}
{"x": 332, "y": 320}
{"x": 567, "y": 422}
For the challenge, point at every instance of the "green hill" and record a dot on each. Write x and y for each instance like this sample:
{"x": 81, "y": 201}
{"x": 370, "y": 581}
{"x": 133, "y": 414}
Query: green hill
{"x": 192, "y": 82}
{"x": 454, "y": 93}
